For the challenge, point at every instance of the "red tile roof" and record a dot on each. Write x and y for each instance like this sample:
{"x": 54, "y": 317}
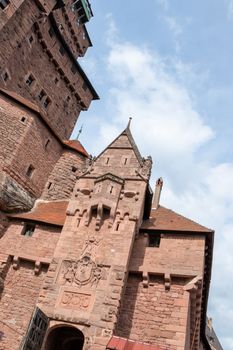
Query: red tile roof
{"x": 77, "y": 146}
{"x": 164, "y": 219}
{"x": 46, "y": 212}
{"x": 117, "y": 343}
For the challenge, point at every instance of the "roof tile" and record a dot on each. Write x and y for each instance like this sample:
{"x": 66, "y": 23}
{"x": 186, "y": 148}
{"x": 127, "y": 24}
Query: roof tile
{"x": 47, "y": 212}
{"x": 168, "y": 220}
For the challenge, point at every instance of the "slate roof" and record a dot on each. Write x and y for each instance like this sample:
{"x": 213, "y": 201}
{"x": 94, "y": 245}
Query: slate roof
{"x": 164, "y": 219}
{"x": 117, "y": 343}
{"x": 53, "y": 213}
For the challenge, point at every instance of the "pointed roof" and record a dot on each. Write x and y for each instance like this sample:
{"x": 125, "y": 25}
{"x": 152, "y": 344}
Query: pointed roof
{"x": 76, "y": 146}
{"x": 132, "y": 144}
{"x": 164, "y": 219}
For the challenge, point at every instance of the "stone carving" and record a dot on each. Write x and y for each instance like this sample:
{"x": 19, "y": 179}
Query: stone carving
{"x": 83, "y": 272}
{"x": 73, "y": 300}
{"x": 90, "y": 246}
{"x": 146, "y": 167}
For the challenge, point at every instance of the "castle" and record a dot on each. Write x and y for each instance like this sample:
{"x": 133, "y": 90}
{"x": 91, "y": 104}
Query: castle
{"x": 89, "y": 259}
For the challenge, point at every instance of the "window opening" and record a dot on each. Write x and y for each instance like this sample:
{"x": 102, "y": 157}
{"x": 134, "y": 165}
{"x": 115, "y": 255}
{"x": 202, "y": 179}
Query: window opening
{"x": 30, "y": 39}
{"x": 47, "y": 102}
{"x": 125, "y": 161}
{"x": 28, "y": 230}
{"x": 154, "y": 240}
{"x": 47, "y": 143}
{"x": 49, "y": 185}
{"x": 51, "y": 32}
{"x": 41, "y": 95}
{"x": 117, "y": 226}
{"x": 23, "y": 119}
{"x": 62, "y": 50}
{"x": 5, "y": 76}
{"x": 74, "y": 169}
{"x": 4, "y": 4}
{"x": 107, "y": 160}
{"x": 84, "y": 86}
{"x": 30, "y": 170}
{"x": 30, "y": 80}
{"x": 73, "y": 69}
{"x": 111, "y": 189}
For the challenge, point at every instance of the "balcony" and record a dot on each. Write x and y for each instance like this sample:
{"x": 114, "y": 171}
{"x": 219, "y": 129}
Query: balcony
{"x": 83, "y": 9}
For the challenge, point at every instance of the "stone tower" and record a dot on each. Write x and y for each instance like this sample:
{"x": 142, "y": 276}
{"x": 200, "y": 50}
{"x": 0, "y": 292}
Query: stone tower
{"x": 42, "y": 91}
{"x": 40, "y": 43}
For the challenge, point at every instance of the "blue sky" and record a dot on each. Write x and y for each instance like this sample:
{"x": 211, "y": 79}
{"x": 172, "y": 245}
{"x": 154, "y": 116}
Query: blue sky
{"x": 168, "y": 64}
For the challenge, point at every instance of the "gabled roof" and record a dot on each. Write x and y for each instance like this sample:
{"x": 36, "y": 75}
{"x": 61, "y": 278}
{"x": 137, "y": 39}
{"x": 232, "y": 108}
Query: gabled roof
{"x": 53, "y": 213}
{"x": 118, "y": 343}
{"x": 132, "y": 144}
{"x": 164, "y": 219}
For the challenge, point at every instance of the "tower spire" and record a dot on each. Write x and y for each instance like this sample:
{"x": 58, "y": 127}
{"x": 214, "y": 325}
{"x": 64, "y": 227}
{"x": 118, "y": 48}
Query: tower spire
{"x": 129, "y": 122}
{"x": 79, "y": 132}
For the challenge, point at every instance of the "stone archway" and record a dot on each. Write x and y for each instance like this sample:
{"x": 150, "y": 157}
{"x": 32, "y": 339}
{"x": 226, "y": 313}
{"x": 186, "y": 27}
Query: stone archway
{"x": 64, "y": 338}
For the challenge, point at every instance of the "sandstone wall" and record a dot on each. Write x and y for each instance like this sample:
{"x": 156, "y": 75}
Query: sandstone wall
{"x": 38, "y": 248}
{"x": 18, "y": 300}
{"x": 153, "y": 314}
{"x": 62, "y": 180}
{"x": 26, "y": 142}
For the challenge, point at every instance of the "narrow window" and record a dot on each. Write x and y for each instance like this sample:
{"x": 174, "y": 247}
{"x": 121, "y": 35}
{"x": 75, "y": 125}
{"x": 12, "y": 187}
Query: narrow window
{"x": 49, "y": 185}
{"x": 62, "y": 50}
{"x": 30, "y": 171}
{"x": 30, "y": 80}
{"x": 84, "y": 86}
{"x": 28, "y": 230}
{"x": 30, "y": 39}
{"x": 23, "y": 119}
{"x": 117, "y": 226}
{"x": 111, "y": 189}
{"x": 47, "y": 143}
{"x": 51, "y": 32}
{"x": 4, "y": 4}
{"x": 47, "y": 102}
{"x": 154, "y": 240}
{"x": 5, "y": 76}
{"x": 125, "y": 161}
{"x": 73, "y": 69}
{"x": 107, "y": 160}
{"x": 41, "y": 95}
{"x": 74, "y": 169}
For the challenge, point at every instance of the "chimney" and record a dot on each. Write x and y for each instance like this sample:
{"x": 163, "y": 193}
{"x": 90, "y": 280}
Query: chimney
{"x": 158, "y": 189}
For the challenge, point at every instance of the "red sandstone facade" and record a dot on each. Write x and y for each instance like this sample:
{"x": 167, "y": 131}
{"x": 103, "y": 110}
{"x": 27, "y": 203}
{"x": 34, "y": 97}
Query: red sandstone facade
{"x": 87, "y": 259}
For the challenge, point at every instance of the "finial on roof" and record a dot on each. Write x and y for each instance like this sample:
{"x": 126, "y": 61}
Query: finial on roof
{"x": 79, "y": 132}
{"x": 129, "y": 122}
{"x": 157, "y": 194}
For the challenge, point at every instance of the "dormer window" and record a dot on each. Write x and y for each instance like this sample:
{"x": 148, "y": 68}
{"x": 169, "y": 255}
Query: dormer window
{"x": 28, "y": 230}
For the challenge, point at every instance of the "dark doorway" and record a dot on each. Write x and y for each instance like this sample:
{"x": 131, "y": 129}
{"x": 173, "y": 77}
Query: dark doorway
{"x": 65, "y": 338}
